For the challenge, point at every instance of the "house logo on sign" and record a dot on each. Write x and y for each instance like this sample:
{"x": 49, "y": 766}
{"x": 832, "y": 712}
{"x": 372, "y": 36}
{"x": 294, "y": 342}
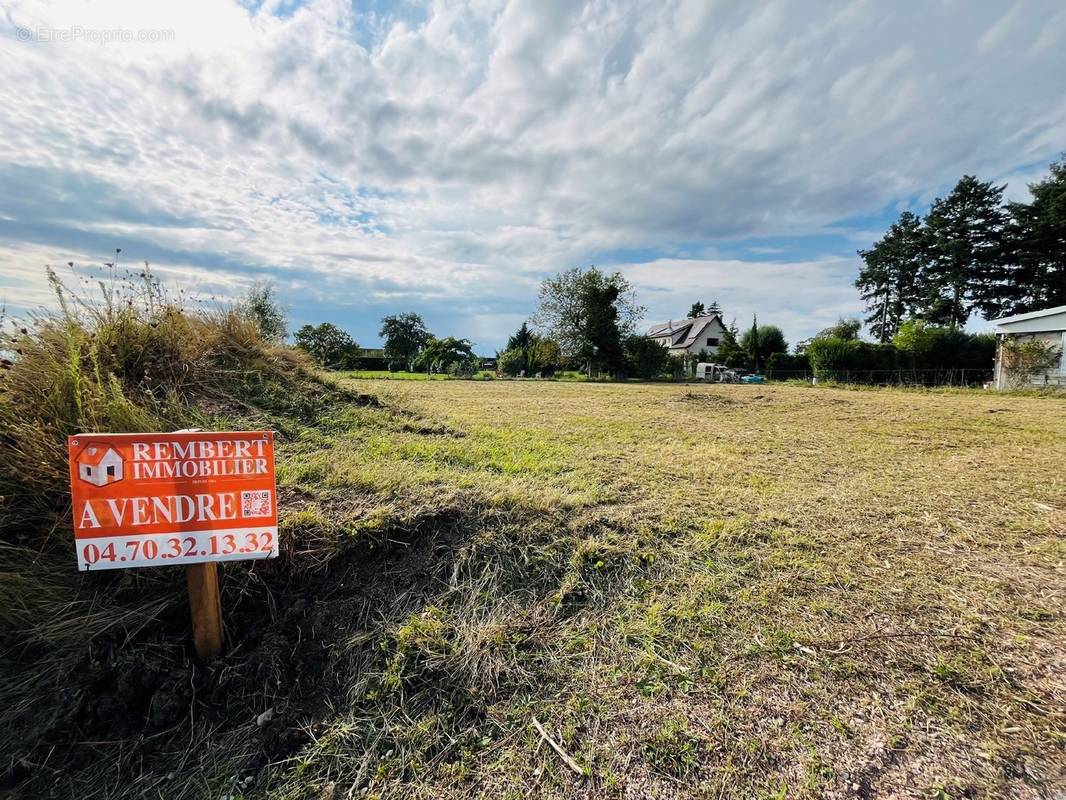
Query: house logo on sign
{"x": 99, "y": 465}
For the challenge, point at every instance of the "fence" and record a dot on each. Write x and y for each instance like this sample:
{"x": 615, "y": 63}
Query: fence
{"x": 893, "y": 377}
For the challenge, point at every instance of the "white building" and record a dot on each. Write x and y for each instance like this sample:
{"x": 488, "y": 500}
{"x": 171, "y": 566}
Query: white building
{"x": 1048, "y": 326}
{"x": 686, "y": 336}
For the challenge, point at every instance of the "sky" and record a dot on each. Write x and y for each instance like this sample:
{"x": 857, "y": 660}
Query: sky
{"x": 371, "y": 158}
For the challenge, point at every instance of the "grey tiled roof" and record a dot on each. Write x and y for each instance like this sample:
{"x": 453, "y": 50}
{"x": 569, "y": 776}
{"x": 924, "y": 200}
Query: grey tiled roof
{"x": 683, "y": 332}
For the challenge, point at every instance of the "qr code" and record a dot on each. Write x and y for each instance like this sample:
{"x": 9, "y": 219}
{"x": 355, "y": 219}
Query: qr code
{"x": 255, "y": 504}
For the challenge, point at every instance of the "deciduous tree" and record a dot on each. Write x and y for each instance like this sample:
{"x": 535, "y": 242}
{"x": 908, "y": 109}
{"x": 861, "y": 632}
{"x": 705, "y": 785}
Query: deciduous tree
{"x": 405, "y": 335}
{"x": 761, "y": 341}
{"x": 645, "y": 357}
{"x": 261, "y": 304}
{"x": 730, "y": 353}
{"x": 328, "y": 345}
{"x": 588, "y": 313}
{"x": 445, "y": 355}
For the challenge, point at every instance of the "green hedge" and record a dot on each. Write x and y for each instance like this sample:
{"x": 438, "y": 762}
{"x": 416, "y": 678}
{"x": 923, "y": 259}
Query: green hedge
{"x": 832, "y": 356}
{"x": 927, "y": 353}
{"x": 782, "y": 366}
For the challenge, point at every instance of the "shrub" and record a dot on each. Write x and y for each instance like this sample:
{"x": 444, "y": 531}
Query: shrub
{"x": 545, "y": 356}
{"x": 841, "y": 329}
{"x": 730, "y": 353}
{"x": 924, "y": 346}
{"x": 1026, "y": 359}
{"x": 539, "y": 355}
{"x": 759, "y": 343}
{"x": 850, "y": 359}
{"x": 511, "y": 362}
{"x": 781, "y": 366}
{"x": 261, "y": 305}
{"x": 447, "y": 355}
{"x": 645, "y": 357}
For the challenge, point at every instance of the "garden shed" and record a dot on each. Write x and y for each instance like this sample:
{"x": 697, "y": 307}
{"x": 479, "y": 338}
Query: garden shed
{"x": 1022, "y": 339}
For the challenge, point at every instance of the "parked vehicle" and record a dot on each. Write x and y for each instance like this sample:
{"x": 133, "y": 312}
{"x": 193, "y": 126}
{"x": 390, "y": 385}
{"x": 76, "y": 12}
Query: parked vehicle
{"x": 715, "y": 373}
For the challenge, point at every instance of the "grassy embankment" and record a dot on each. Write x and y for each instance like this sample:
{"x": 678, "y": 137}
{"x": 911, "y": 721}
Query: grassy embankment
{"x": 697, "y": 591}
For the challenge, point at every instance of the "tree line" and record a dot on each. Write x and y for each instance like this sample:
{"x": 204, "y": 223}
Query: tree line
{"x": 970, "y": 253}
{"x": 586, "y": 320}
{"x": 409, "y": 345}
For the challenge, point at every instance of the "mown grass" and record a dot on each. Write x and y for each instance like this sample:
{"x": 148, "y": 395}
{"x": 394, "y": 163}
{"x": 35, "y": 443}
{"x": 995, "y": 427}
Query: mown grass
{"x": 737, "y": 591}
{"x": 384, "y": 374}
{"x": 709, "y": 591}
{"x": 480, "y": 375}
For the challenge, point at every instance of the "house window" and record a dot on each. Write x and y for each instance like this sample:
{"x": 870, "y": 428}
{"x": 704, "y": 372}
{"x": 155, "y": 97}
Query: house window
{"x": 111, "y": 471}
{"x": 712, "y": 341}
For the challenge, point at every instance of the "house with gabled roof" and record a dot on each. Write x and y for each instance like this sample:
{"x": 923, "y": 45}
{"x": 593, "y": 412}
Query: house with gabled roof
{"x": 685, "y": 336}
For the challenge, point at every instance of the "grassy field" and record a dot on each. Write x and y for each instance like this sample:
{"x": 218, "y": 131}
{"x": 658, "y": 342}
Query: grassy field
{"x": 694, "y": 591}
{"x": 384, "y": 374}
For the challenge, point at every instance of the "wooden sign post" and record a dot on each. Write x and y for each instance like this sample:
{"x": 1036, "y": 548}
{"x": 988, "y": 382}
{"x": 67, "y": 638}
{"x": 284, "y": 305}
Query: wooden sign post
{"x": 205, "y": 606}
{"x": 192, "y": 498}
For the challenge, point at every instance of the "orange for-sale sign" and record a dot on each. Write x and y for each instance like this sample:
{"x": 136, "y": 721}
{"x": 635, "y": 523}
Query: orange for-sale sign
{"x": 148, "y": 499}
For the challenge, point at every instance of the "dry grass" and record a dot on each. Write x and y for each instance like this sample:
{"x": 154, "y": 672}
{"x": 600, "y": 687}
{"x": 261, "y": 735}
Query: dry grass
{"x": 743, "y": 591}
{"x": 770, "y": 588}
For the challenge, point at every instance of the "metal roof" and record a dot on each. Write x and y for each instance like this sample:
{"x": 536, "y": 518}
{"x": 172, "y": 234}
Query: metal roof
{"x": 1046, "y": 312}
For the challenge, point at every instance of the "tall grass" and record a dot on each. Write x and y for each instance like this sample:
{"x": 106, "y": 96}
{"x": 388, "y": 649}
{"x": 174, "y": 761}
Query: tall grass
{"x": 122, "y": 357}
{"x": 116, "y": 354}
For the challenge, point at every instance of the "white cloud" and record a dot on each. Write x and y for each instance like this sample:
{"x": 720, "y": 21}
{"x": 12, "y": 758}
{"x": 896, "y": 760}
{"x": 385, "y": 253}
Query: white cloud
{"x": 468, "y": 149}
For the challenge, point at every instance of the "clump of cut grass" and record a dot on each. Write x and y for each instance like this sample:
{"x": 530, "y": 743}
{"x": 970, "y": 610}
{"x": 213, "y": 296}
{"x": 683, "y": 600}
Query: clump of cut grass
{"x": 710, "y": 399}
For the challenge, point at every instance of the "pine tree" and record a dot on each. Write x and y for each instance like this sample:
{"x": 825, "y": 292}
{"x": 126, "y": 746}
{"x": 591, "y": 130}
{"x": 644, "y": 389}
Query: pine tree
{"x": 522, "y": 342}
{"x": 964, "y": 238}
{"x": 520, "y": 339}
{"x": 696, "y": 310}
{"x": 1034, "y": 264}
{"x": 730, "y": 353}
{"x": 887, "y": 281}
{"x": 753, "y": 343}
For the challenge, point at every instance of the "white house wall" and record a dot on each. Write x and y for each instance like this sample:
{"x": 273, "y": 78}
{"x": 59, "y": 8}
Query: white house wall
{"x": 713, "y": 330}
